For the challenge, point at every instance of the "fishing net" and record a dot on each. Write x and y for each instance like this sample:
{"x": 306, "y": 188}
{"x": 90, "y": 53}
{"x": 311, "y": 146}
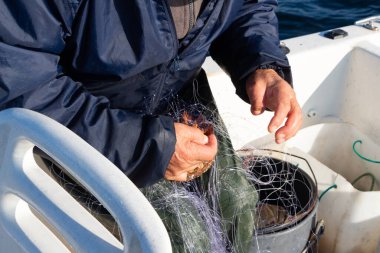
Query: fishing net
{"x": 77, "y": 191}
{"x": 244, "y": 194}
{"x": 286, "y": 193}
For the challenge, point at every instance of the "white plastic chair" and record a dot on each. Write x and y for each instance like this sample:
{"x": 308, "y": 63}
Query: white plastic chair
{"x": 38, "y": 215}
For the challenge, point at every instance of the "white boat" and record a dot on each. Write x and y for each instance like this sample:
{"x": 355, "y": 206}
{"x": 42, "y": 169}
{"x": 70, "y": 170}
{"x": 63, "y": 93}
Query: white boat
{"x": 337, "y": 82}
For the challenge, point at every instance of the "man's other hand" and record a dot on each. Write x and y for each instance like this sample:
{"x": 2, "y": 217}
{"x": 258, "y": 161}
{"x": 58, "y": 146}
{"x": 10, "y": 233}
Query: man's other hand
{"x": 192, "y": 150}
{"x": 266, "y": 89}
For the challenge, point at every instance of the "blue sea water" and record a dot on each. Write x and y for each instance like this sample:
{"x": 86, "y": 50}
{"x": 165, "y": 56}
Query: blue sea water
{"x": 300, "y": 17}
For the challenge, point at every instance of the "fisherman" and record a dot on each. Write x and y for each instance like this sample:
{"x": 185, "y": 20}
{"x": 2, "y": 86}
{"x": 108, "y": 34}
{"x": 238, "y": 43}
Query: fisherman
{"x": 109, "y": 70}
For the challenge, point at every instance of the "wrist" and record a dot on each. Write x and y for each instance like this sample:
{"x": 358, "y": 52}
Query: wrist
{"x": 273, "y": 67}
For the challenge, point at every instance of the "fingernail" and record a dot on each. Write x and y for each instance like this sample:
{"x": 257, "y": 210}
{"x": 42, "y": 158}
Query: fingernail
{"x": 280, "y": 139}
{"x": 257, "y": 110}
{"x": 272, "y": 129}
{"x": 205, "y": 140}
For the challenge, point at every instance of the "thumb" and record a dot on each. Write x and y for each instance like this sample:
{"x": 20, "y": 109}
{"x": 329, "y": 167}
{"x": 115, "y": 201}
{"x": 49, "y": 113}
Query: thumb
{"x": 193, "y": 134}
{"x": 206, "y": 152}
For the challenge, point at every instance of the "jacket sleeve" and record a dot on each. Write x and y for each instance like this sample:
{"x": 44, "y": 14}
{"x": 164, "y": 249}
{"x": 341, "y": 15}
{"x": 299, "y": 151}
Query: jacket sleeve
{"x": 32, "y": 37}
{"x": 250, "y": 42}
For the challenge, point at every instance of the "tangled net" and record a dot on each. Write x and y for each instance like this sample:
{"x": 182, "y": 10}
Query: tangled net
{"x": 192, "y": 210}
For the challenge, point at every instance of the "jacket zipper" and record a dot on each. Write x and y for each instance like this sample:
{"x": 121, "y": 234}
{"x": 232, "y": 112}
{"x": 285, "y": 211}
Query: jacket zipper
{"x": 191, "y": 14}
{"x": 176, "y": 58}
{"x": 157, "y": 96}
{"x": 162, "y": 81}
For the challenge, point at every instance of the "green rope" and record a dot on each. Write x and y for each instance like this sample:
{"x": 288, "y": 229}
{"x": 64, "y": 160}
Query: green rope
{"x": 362, "y": 157}
{"x": 325, "y": 191}
{"x": 366, "y": 175}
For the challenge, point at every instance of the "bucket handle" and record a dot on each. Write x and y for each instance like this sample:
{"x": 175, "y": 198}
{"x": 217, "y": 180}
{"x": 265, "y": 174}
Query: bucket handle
{"x": 315, "y": 235}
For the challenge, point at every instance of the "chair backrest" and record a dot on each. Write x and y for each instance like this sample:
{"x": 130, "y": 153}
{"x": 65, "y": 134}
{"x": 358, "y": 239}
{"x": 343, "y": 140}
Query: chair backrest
{"x": 38, "y": 215}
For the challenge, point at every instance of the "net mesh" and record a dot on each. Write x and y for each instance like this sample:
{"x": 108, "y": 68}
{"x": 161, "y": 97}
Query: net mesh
{"x": 245, "y": 194}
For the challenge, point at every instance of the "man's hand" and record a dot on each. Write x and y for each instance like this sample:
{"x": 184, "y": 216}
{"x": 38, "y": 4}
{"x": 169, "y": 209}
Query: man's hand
{"x": 266, "y": 89}
{"x": 192, "y": 150}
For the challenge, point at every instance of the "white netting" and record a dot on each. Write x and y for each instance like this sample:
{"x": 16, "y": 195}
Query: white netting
{"x": 211, "y": 213}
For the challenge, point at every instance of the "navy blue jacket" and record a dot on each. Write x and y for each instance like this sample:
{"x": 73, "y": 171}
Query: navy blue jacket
{"x": 104, "y": 68}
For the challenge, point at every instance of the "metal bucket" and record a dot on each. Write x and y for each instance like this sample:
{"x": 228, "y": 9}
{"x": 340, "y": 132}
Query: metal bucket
{"x": 284, "y": 186}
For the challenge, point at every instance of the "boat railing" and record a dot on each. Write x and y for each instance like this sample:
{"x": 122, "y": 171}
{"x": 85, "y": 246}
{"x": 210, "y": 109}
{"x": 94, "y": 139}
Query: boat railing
{"x": 38, "y": 215}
